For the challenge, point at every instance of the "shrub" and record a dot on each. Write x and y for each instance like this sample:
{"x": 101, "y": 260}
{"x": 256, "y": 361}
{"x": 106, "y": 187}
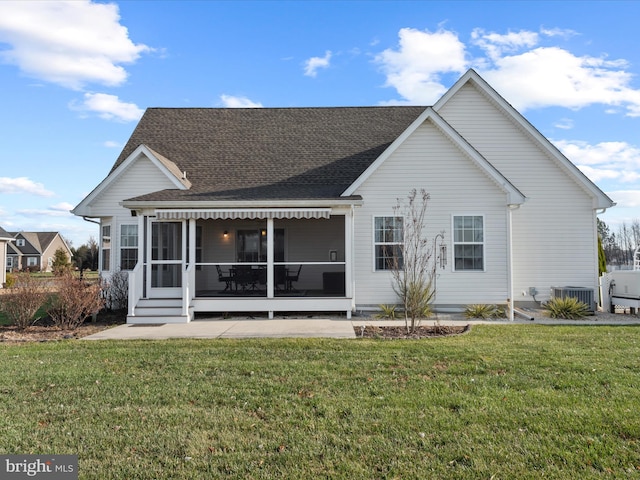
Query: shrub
{"x": 23, "y": 299}
{"x": 480, "y": 311}
{"x": 500, "y": 312}
{"x": 74, "y": 301}
{"x": 115, "y": 290}
{"x": 11, "y": 280}
{"x": 568, "y": 307}
{"x": 388, "y": 311}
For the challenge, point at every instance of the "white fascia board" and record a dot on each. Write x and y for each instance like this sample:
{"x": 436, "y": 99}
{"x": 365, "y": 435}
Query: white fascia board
{"x": 159, "y": 204}
{"x": 515, "y": 197}
{"x": 82, "y": 209}
{"x": 601, "y": 199}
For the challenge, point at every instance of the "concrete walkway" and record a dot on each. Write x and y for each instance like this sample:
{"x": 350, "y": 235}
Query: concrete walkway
{"x": 234, "y": 328}
{"x": 310, "y": 327}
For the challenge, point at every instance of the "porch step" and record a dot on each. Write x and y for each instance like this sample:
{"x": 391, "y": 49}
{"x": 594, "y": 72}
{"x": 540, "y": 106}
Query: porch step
{"x": 160, "y": 310}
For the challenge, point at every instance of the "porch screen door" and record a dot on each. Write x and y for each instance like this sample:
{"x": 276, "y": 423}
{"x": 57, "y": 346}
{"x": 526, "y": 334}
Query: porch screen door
{"x": 165, "y": 275}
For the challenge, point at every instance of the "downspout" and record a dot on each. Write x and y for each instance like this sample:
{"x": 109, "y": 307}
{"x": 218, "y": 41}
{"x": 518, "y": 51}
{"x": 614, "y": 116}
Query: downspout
{"x": 510, "y": 300}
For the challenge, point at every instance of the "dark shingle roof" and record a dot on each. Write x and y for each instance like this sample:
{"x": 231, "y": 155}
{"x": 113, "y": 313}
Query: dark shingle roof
{"x": 36, "y": 242}
{"x": 268, "y": 153}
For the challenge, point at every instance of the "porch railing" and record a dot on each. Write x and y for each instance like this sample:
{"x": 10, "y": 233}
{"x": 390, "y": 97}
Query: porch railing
{"x": 136, "y": 287}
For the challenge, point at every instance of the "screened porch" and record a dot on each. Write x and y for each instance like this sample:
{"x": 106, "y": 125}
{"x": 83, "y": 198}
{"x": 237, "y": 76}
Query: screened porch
{"x": 303, "y": 258}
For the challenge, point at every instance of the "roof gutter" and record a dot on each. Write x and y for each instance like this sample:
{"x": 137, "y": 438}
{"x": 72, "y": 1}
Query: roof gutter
{"x": 342, "y": 202}
{"x": 87, "y": 219}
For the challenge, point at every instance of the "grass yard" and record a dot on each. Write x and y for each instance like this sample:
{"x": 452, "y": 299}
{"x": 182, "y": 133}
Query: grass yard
{"x": 501, "y": 402}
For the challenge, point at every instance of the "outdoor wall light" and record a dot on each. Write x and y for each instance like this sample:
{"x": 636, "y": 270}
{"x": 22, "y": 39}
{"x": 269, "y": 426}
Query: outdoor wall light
{"x": 225, "y": 234}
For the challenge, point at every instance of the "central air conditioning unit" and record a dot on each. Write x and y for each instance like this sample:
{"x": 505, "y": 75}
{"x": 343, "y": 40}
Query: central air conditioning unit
{"x": 583, "y": 294}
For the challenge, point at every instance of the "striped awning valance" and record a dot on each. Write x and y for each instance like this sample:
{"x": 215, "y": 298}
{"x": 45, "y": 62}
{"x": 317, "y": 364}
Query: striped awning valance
{"x": 243, "y": 213}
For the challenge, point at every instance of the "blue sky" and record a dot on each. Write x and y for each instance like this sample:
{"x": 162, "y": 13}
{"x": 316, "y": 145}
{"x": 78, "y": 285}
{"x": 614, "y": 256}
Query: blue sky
{"x": 76, "y": 76}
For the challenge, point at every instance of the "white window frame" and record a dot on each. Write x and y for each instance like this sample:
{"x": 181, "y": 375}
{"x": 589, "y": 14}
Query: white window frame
{"x": 32, "y": 262}
{"x": 105, "y": 251}
{"x": 122, "y": 245}
{"x": 376, "y": 243}
{"x": 19, "y": 242}
{"x": 10, "y": 263}
{"x": 472, "y": 242}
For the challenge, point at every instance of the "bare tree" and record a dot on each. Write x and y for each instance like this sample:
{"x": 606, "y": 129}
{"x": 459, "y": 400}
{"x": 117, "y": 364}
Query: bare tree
{"x": 414, "y": 268}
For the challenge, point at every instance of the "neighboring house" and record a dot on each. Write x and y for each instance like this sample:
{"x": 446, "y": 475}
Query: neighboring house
{"x": 5, "y": 238}
{"x": 292, "y": 209}
{"x": 34, "y": 250}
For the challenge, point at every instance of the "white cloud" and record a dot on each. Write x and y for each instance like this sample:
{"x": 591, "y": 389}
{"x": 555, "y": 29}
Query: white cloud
{"x": 111, "y": 144}
{"x": 230, "y": 101}
{"x": 59, "y": 210}
{"x": 312, "y": 65}
{"x": 626, "y": 198}
{"x": 69, "y": 43}
{"x": 109, "y": 107}
{"x": 564, "y": 124}
{"x": 617, "y": 161}
{"x": 23, "y": 185}
{"x": 497, "y": 45}
{"x": 526, "y": 72}
{"x": 415, "y": 68}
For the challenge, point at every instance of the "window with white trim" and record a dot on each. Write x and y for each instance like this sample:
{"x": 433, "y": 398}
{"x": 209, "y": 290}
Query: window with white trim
{"x": 388, "y": 239}
{"x": 106, "y": 247}
{"x": 9, "y": 263}
{"x": 128, "y": 246}
{"x": 32, "y": 261}
{"x": 20, "y": 242}
{"x": 468, "y": 243}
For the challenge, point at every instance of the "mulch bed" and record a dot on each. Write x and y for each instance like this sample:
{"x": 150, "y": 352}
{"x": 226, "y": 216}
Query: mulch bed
{"x": 45, "y": 331}
{"x": 423, "y": 331}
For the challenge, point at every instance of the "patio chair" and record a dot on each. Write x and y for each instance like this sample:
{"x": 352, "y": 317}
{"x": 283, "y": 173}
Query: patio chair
{"x": 226, "y": 278}
{"x": 292, "y": 277}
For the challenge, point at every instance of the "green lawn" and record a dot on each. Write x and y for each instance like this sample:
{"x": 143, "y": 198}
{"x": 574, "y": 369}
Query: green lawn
{"x": 501, "y": 402}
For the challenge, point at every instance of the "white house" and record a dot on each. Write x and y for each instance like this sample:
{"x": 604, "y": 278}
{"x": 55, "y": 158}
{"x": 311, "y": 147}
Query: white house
{"x": 292, "y": 209}
{"x": 5, "y": 238}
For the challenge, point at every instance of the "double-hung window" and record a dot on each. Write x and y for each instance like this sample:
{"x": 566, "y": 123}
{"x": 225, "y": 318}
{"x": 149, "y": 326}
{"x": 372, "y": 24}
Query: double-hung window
{"x": 468, "y": 242}
{"x": 106, "y": 247}
{"x": 388, "y": 239}
{"x": 128, "y": 246}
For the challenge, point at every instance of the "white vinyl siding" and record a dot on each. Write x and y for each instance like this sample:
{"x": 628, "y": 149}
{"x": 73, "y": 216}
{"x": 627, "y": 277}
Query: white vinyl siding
{"x": 140, "y": 178}
{"x": 430, "y": 161}
{"x": 554, "y": 231}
